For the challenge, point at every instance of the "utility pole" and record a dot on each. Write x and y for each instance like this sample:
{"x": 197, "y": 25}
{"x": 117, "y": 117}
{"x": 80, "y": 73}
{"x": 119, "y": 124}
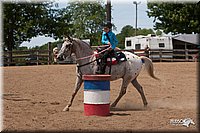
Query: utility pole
{"x": 108, "y": 10}
{"x": 136, "y": 3}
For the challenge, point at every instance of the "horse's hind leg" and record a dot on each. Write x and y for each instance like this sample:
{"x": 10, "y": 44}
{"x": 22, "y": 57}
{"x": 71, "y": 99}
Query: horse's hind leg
{"x": 140, "y": 90}
{"x": 124, "y": 86}
{"x": 78, "y": 84}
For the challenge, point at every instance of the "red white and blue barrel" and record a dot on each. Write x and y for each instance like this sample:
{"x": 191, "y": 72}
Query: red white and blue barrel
{"x": 96, "y": 95}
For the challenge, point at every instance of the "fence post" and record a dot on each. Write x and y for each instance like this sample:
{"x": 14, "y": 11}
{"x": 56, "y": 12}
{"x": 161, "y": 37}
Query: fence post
{"x": 186, "y": 55}
{"x": 37, "y": 54}
{"x": 160, "y": 54}
{"x": 49, "y": 54}
{"x": 173, "y": 55}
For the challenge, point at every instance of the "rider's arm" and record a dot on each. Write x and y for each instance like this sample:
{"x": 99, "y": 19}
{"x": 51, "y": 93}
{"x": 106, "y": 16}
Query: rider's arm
{"x": 115, "y": 41}
{"x": 104, "y": 39}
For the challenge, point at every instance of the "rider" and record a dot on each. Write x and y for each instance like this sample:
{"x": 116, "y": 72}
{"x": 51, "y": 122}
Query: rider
{"x": 108, "y": 38}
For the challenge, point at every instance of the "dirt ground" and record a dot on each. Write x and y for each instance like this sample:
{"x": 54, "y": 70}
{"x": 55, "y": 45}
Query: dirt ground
{"x": 34, "y": 96}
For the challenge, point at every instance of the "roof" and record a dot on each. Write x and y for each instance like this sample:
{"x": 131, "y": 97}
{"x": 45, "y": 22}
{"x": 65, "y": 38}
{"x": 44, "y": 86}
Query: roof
{"x": 189, "y": 38}
{"x": 142, "y": 36}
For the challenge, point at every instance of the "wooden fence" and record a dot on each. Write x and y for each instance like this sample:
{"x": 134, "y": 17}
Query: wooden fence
{"x": 26, "y": 57}
{"x": 172, "y": 55}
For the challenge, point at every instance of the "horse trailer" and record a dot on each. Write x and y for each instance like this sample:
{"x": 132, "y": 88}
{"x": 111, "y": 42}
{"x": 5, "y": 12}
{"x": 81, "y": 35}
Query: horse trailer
{"x": 152, "y": 41}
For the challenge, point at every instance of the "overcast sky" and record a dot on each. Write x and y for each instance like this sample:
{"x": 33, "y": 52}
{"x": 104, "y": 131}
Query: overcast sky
{"x": 123, "y": 14}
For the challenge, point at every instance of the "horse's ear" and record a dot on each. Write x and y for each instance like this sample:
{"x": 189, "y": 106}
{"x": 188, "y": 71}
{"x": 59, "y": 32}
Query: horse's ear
{"x": 64, "y": 38}
{"x": 70, "y": 38}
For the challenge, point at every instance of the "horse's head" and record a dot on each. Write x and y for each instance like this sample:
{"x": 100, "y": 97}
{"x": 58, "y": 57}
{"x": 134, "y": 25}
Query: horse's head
{"x": 66, "y": 49}
{"x": 55, "y": 53}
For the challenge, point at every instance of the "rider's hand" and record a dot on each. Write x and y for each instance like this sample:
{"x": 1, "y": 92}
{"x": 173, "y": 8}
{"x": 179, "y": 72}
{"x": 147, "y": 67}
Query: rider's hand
{"x": 109, "y": 43}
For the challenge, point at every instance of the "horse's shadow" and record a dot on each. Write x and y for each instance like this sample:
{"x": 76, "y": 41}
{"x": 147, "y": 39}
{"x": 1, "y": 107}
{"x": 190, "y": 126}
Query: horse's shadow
{"x": 122, "y": 109}
{"x": 119, "y": 114}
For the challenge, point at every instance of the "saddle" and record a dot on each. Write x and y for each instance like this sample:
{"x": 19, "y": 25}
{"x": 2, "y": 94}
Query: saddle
{"x": 112, "y": 58}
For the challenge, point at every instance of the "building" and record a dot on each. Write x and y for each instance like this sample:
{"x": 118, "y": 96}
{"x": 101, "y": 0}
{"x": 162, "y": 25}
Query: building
{"x": 185, "y": 41}
{"x": 186, "y": 44}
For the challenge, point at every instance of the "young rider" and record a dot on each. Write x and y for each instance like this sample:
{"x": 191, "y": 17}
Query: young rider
{"x": 108, "y": 38}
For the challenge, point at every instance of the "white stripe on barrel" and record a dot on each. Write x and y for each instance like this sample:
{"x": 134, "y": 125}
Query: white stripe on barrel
{"x": 97, "y": 97}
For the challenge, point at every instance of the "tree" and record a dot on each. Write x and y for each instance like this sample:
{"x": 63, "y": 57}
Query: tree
{"x": 22, "y": 21}
{"x": 87, "y": 19}
{"x": 159, "y": 32}
{"x": 176, "y": 17}
{"x": 128, "y": 31}
{"x": 145, "y": 31}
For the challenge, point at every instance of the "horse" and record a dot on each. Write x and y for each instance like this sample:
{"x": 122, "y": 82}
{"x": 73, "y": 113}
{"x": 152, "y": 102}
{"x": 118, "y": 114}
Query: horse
{"x": 55, "y": 52}
{"x": 86, "y": 64}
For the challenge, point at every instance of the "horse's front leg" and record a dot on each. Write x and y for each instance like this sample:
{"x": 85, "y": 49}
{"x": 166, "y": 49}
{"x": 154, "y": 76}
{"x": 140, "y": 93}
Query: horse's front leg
{"x": 78, "y": 84}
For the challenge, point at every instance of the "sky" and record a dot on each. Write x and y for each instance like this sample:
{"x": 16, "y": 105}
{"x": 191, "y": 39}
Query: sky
{"x": 123, "y": 13}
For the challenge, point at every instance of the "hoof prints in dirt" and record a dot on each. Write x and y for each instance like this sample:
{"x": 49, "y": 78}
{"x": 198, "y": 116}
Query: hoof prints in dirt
{"x": 44, "y": 103}
{"x": 14, "y": 97}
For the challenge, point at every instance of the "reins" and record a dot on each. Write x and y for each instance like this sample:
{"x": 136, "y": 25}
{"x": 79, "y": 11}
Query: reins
{"x": 89, "y": 57}
{"x": 93, "y": 54}
{"x": 88, "y": 63}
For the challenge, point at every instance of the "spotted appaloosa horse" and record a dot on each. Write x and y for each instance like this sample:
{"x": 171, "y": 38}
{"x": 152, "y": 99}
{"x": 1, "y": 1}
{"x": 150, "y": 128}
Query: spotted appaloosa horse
{"x": 128, "y": 70}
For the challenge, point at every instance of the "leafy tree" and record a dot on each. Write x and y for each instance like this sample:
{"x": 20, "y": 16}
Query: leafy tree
{"x": 144, "y": 31}
{"x": 128, "y": 31}
{"x": 22, "y": 21}
{"x": 176, "y": 17}
{"x": 22, "y": 48}
{"x": 87, "y": 19}
{"x": 63, "y": 23}
{"x": 159, "y": 32}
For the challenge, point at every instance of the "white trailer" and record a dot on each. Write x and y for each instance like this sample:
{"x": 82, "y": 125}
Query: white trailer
{"x": 152, "y": 41}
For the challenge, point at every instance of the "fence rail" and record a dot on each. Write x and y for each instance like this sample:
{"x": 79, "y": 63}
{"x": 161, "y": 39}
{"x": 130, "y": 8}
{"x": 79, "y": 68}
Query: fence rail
{"x": 178, "y": 55}
{"x": 25, "y": 57}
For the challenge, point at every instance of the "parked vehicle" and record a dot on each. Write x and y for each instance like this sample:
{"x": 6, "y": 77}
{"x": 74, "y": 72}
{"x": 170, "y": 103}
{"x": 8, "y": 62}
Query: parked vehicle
{"x": 152, "y": 41}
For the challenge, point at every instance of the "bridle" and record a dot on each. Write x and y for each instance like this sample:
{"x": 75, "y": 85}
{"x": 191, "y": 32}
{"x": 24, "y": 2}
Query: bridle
{"x": 69, "y": 48}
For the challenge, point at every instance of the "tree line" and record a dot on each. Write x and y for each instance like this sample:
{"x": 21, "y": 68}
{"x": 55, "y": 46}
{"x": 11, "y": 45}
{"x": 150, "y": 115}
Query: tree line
{"x": 81, "y": 19}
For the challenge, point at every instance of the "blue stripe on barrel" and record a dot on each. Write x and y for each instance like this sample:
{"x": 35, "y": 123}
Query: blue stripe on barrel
{"x": 97, "y": 85}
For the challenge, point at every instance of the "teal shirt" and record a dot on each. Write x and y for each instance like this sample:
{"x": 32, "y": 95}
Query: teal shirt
{"x": 113, "y": 39}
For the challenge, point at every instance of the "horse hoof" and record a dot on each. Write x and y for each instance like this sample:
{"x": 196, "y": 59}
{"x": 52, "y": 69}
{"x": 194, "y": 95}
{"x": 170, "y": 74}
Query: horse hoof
{"x": 65, "y": 109}
{"x": 113, "y": 105}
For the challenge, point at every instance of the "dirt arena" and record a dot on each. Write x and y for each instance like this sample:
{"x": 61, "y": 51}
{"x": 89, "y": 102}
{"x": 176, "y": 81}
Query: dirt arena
{"x": 34, "y": 96}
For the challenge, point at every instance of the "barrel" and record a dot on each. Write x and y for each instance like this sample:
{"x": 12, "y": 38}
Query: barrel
{"x": 96, "y": 95}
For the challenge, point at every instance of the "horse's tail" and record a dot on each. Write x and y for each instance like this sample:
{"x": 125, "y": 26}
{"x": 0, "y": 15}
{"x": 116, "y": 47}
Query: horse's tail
{"x": 149, "y": 66}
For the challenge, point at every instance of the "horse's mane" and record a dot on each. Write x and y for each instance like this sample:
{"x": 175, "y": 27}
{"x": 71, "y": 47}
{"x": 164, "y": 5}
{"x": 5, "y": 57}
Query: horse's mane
{"x": 83, "y": 42}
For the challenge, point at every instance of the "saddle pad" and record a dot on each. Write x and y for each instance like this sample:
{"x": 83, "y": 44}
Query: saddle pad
{"x": 112, "y": 60}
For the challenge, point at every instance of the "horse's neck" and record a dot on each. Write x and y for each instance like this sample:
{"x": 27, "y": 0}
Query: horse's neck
{"x": 82, "y": 50}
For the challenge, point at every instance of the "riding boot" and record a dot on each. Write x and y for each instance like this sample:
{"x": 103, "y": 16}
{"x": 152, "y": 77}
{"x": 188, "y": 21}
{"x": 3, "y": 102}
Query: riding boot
{"x": 103, "y": 69}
